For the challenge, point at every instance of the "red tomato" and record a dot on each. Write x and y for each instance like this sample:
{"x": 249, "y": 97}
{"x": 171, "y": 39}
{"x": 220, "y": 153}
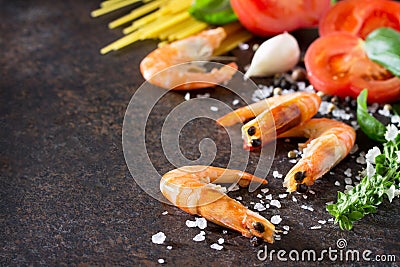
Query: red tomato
{"x": 360, "y": 17}
{"x": 338, "y": 65}
{"x": 269, "y": 17}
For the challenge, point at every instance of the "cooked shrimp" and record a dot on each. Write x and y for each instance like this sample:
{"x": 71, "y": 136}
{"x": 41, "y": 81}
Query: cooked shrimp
{"x": 274, "y": 115}
{"x": 190, "y": 189}
{"x": 163, "y": 67}
{"x": 329, "y": 142}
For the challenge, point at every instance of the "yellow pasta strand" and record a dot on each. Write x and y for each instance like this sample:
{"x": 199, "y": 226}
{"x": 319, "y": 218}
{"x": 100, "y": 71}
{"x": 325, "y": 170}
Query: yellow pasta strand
{"x": 113, "y": 7}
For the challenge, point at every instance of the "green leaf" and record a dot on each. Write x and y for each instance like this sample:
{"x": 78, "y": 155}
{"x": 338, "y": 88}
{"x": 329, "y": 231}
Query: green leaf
{"x": 380, "y": 159}
{"x": 374, "y": 129}
{"x": 356, "y": 215}
{"x": 383, "y": 47}
{"x": 332, "y": 209}
{"x": 216, "y": 12}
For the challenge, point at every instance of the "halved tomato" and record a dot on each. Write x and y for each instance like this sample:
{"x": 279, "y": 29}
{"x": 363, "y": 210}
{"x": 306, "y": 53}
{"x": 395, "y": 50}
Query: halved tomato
{"x": 338, "y": 65}
{"x": 360, "y": 17}
{"x": 269, "y": 17}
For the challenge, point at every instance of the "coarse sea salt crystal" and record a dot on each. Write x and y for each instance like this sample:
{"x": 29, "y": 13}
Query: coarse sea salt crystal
{"x": 187, "y": 96}
{"x": 259, "y": 196}
{"x": 361, "y": 158}
{"x": 165, "y": 213}
{"x": 216, "y": 246}
{"x": 337, "y": 183}
{"x": 315, "y": 227}
{"x": 307, "y": 207}
{"x": 348, "y": 181}
{"x": 235, "y": 102}
{"x": 275, "y": 203}
{"x": 212, "y": 108}
{"x": 224, "y": 232}
{"x": 201, "y": 223}
{"x": 268, "y": 197}
{"x": 384, "y": 112}
{"x": 331, "y": 219}
{"x": 294, "y": 199}
{"x": 239, "y": 198}
{"x": 282, "y": 195}
{"x": 286, "y": 227}
{"x": 206, "y": 95}
{"x": 161, "y": 261}
{"x": 158, "y": 238}
{"x": 191, "y": 224}
{"x": 354, "y": 149}
{"x": 276, "y": 219}
{"x": 221, "y": 241}
{"x": 243, "y": 46}
{"x": 259, "y": 207}
{"x": 169, "y": 247}
{"x": 348, "y": 172}
{"x": 293, "y": 161}
{"x": 200, "y": 237}
{"x": 322, "y": 221}
{"x": 276, "y": 174}
{"x": 265, "y": 190}
{"x": 311, "y": 192}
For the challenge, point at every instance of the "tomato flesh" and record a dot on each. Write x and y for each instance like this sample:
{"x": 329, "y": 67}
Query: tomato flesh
{"x": 360, "y": 17}
{"x": 338, "y": 65}
{"x": 269, "y": 17}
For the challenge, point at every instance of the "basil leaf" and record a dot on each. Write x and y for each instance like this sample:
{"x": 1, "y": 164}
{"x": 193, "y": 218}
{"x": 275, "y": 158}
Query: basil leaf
{"x": 216, "y": 12}
{"x": 373, "y": 128}
{"x": 383, "y": 47}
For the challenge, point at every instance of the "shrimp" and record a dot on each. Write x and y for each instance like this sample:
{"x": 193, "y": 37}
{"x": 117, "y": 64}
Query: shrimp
{"x": 274, "y": 116}
{"x": 167, "y": 60}
{"x": 190, "y": 188}
{"x": 329, "y": 142}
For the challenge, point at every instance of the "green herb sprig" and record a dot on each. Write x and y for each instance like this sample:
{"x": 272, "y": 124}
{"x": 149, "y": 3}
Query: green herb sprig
{"x": 382, "y": 178}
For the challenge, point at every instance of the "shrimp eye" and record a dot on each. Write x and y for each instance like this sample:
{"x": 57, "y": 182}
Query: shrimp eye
{"x": 301, "y": 188}
{"x": 251, "y": 131}
{"x": 259, "y": 227}
{"x": 256, "y": 142}
{"x": 299, "y": 176}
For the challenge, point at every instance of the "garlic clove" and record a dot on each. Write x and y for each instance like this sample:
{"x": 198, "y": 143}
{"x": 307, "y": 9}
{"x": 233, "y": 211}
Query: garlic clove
{"x": 277, "y": 54}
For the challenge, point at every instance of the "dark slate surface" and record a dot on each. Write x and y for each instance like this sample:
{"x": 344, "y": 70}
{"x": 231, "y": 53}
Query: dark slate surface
{"x": 67, "y": 197}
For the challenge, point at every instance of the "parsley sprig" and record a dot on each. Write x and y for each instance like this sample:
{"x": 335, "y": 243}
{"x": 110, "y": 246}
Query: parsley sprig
{"x": 382, "y": 178}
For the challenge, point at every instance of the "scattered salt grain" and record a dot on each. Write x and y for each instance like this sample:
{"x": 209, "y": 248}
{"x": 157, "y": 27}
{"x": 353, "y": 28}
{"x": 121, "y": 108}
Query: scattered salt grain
{"x": 322, "y": 221}
{"x": 331, "y": 220}
{"x": 337, "y": 183}
{"x": 212, "y": 108}
{"x": 165, "y": 213}
{"x": 201, "y": 223}
{"x": 282, "y": 195}
{"x": 305, "y": 196}
{"x": 348, "y": 181}
{"x": 265, "y": 190}
{"x": 348, "y": 188}
{"x": 341, "y": 114}
{"x": 200, "y": 237}
{"x": 276, "y": 219}
{"x": 361, "y": 158}
{"x": 259, "y": 207}
{"x": 243, "y": 46}
{"x": 158, "y": 238}
{"x": 224, "y": 232}
{"x": 384, "y": 112}
{"x": 373, "y": 107}
{"x": 259, "y": 196}
{"x": 269, "y": 197}
{"x": 293, "y": 161}
{"x": 169, "y": 247}
{"x": 294, "y": 199}
{"x": 315, "y": 227}
{"x": 276, "y": 174}
{"x": 221, "y": 241}
{"x": 275, "y": 203}
{"x": 239, "y": 198}
{"x": 348, "y": 172}
{"x": 285, "y": 232}
{"x": 161, "y": 261}
{"x": 311, "y": 192}
{"x": 277, "y": 237}
{"x": 235, "y": 102}
{"x": 216, "y": 246}
{"x": 395, "y": 119}
{"x": 187, "y": 96}
{"x": 191, "y": 224}
{"x": 307, "y": 207}
{"x": 286, "y": 227}
{"x": 329, "y": 203}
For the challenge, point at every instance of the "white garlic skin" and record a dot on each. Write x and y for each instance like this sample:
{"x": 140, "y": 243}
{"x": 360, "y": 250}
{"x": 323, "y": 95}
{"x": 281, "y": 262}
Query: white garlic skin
{"x": 277, "y": 54}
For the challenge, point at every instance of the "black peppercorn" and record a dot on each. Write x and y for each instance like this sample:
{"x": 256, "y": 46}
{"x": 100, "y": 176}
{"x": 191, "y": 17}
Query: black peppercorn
{"x": 255, "y": 142}
{"x": 301, "y": 188}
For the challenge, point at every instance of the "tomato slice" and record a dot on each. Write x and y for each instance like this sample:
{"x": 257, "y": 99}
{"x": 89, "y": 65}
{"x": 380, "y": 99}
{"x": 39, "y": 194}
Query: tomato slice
{"x": 338, "y": 65}
{"x": 360, "y": 17}
{"x": 269, "y": 17}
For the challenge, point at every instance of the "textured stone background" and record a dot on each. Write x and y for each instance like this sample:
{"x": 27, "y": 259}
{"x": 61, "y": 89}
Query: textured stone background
{"x": 67, "y": 197}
